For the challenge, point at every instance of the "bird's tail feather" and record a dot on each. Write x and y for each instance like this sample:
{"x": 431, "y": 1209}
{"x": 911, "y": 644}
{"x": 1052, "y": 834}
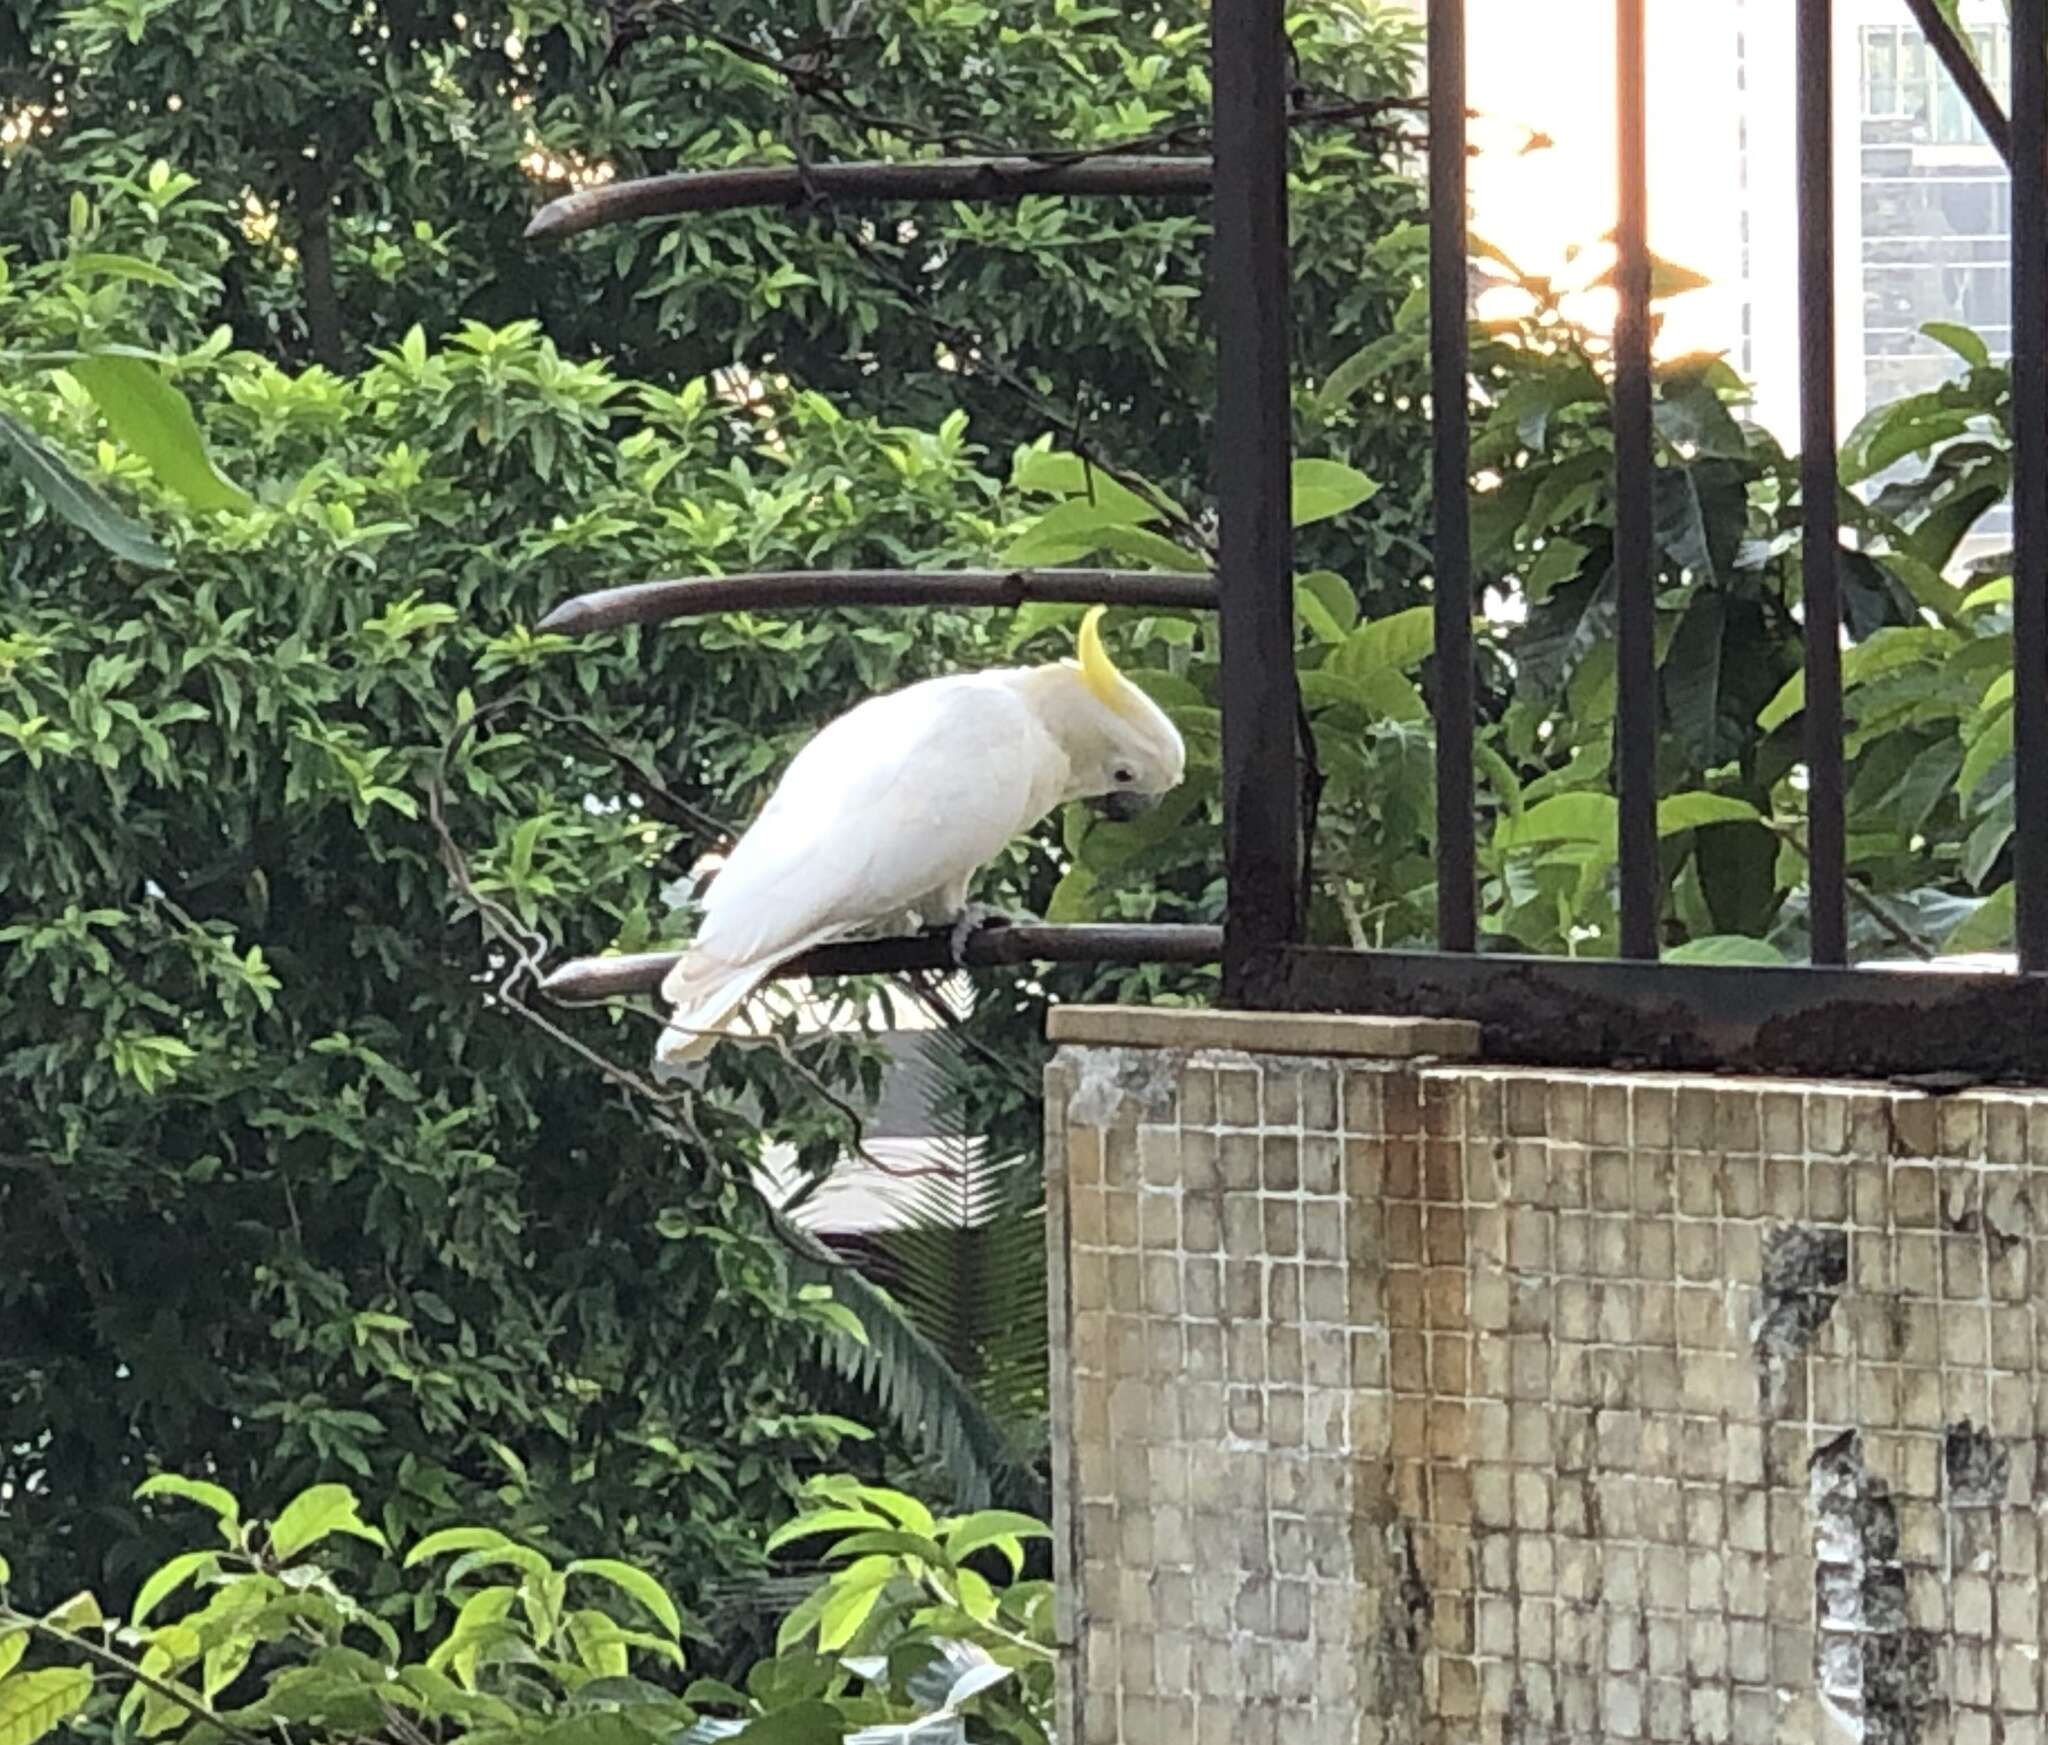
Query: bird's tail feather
{"x": 705, "y": 992}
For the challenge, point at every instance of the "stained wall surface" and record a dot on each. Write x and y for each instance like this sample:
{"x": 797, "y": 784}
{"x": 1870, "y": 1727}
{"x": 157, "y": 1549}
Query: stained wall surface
{"x": 1399, "y": 1402}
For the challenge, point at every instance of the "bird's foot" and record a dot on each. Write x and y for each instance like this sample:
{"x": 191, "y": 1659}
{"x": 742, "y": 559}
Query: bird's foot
{"x": 978, "y": 918}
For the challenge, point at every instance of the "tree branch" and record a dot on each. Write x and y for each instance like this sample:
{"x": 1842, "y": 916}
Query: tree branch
{"x": 197, "y": 1707}
{"x": 313, "y": 193}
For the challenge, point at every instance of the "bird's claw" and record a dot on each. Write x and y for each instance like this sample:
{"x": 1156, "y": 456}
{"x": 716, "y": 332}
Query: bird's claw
{"x": 976, "y": 918}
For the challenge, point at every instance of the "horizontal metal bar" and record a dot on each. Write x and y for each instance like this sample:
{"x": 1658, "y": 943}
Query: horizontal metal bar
{"x": 585, "y": 980}
{"x": 1954, "y": 55}
{"x": 1616, "y": 1013}
{"x": 1013, "y": 178}
{"x": 788, "y": 590}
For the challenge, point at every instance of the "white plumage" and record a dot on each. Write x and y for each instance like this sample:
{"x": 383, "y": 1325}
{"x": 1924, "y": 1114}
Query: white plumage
{"x": 893, "y": 807}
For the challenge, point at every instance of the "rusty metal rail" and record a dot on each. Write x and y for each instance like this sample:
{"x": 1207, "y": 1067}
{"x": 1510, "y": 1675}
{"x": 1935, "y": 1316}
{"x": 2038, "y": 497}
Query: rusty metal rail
{"x": 787, "y": 590}
{"x": 587, "y": 980}
{"x": 1610, "y": 1012}
{"x": 979, "y": 179}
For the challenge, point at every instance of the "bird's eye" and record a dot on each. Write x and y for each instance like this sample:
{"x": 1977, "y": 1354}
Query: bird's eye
{"x": 1123, "y": 775}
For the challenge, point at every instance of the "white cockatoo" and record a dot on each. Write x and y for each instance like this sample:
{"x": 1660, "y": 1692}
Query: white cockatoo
{"x": 891, "y": 809}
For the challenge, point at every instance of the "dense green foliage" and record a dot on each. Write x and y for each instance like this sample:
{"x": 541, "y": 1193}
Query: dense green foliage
{"x": 278, "y": 1160}
{"x": 310, "y": 1623}
{"x": 406, "y": 134}
{"x": 1928, "y": 673}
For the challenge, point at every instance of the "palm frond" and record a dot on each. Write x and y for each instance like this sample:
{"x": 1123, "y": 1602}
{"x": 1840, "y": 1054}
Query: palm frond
{"x": 909, "y": 1379}
{"x": 953, "y": 1296}
{"x": 969, "y": 1262}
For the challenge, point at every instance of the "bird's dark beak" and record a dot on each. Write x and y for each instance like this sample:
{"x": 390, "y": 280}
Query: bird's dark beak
{"x": 1124, "y": 805}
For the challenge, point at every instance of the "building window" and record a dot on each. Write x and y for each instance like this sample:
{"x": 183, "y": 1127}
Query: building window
{"x": 1937, "y": 216}
{"x": 1904, "y": 85}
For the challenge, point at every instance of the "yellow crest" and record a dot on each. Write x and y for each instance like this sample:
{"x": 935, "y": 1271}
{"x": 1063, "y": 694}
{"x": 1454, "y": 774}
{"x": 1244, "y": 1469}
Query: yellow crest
{"x": 1096, "y": 666}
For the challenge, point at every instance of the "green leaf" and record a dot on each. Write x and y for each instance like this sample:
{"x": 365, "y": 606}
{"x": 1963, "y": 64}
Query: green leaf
{"x": 35, "y": 1703}
{"x": 1557, "y": 562}
{"x": 1987, "y": 928}
{"x": 809, "y": 1722}
{"x": 1394, "y": 643}
{"x": 1377, "y": 694}
{"x": 1896, "y": 429}
{"x": 1964, "y": 342}
{"x": 1935, "y": 537}
{"x": 1323, "y": 488}
{"x": 316, "y": 1514}
{"x": 1729, "y": 948}
{"x": 1056, "y": 473}
{"x": 803, "y": 1618}
{"x": 1691, "y": 415}
{"x": 1004, "y": 1529}
{"x": 167, "y": 1580}
{"x": 80, "y": 1612}
{"x": 1367, "y": 364}
{"x": 1986, "y": 750}
{"x": 1677, "y": 812}
{"x": 1071, "y": 899}
{"x": 1561, "y": 818}
{"x": 1333, "y": 594}
{"x": 121, "y": 266}
{"x": 151, "y": 417}
{"x": 193, "y": 1490}
{"x": 454, "y": 1539}
{"x": 1887, "y": 650}
{"x": 13, "y": 1645}
{"x": 224, "y": 1663}
{"x": 1073, "y": 529}
{"x": 977, "y": 1598}
{"x": 82, "y": 504}
{"x": 637, "y": 1585}
{"x": 815, "y": 1521}
{"x": 1993, "y": 593}
{"x": 1140, "y": 545}
{"x": 6, "y": 1573}
{"x": 845, "y": 1612}
{"x": 890, "y": 1541}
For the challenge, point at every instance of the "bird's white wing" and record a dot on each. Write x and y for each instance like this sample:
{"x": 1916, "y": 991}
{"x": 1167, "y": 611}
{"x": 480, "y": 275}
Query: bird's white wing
{"x": 897, "y": 797}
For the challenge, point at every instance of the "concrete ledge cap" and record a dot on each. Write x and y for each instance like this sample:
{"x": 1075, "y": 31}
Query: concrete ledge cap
{"x": 1347, "y": 1036}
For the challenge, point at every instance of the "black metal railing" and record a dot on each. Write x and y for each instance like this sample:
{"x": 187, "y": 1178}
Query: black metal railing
{"x": 1825, "y": 1018}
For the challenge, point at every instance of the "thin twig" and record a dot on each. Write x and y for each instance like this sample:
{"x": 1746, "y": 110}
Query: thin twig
{"x": 1347, "y": 906}
{"x": 99, "y": 1286}
{"x": 1868, "y": 900}
{"x": 195, "y": 1706}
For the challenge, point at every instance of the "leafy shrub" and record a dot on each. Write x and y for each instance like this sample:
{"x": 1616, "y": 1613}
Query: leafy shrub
{"x": 310, "y": 1626}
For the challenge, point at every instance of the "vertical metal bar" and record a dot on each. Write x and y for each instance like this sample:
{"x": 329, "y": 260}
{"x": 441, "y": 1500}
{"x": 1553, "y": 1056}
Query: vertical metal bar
{"x": 1262, "y": 817}
{"x": 1635, "y": 562}
{"x": 1819, "y": 482}
{"x": 2030, "y": 478}
{"x": 1457, "y": 918}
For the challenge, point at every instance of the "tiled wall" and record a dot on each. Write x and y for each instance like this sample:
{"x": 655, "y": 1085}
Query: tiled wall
{"x": 1446, "y": 1403}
